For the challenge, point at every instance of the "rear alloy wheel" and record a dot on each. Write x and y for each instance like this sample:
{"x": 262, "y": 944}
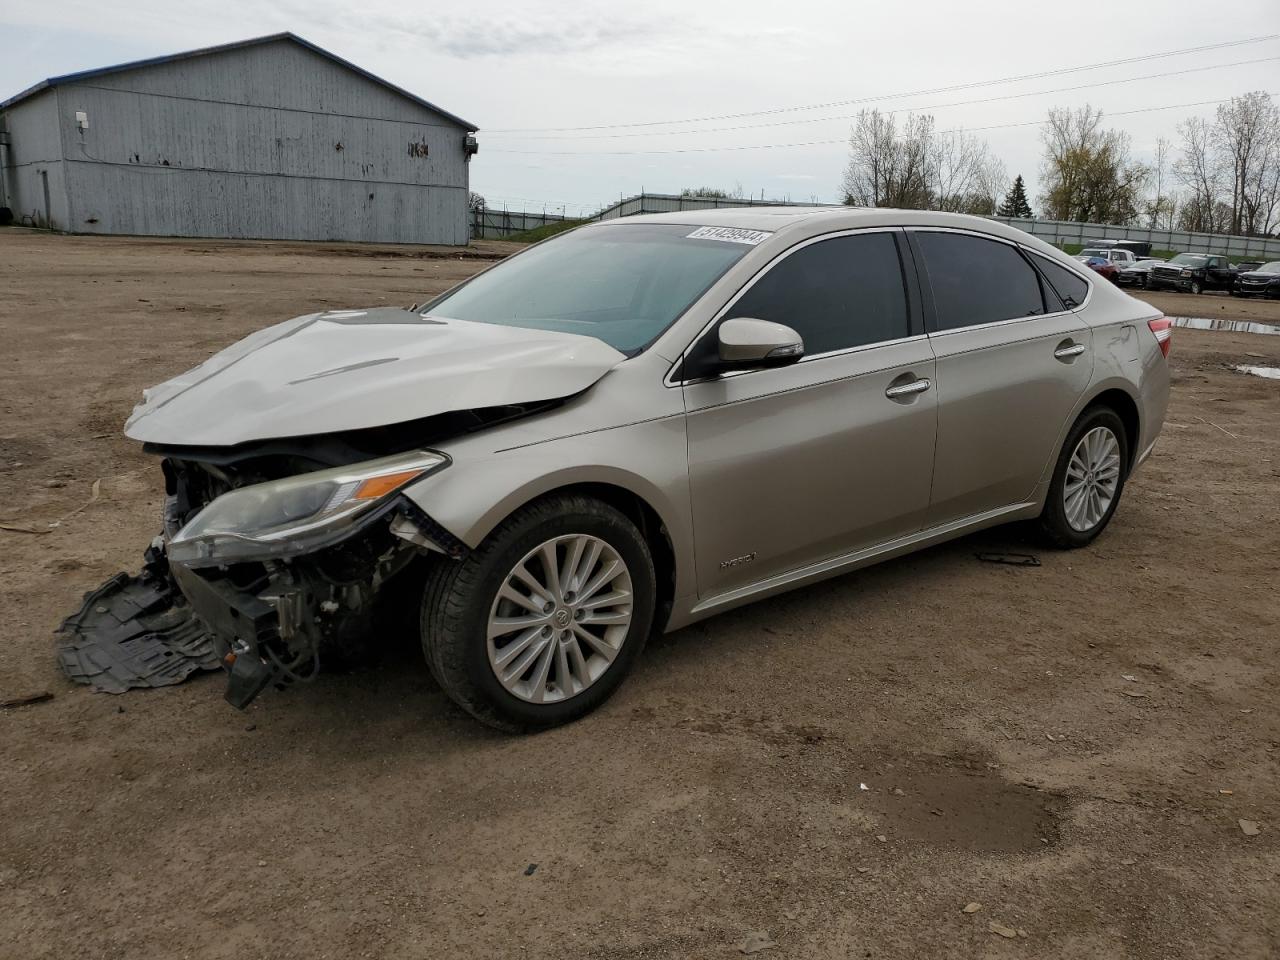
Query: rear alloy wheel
{"x": 1088, "y": 479}
{"x": 540, "y": 623}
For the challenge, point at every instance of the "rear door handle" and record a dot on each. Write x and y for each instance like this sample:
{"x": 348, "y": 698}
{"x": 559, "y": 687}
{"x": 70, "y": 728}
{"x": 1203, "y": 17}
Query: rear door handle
{"x": 1069, "y": 351}
{"x": 907, "y": 389}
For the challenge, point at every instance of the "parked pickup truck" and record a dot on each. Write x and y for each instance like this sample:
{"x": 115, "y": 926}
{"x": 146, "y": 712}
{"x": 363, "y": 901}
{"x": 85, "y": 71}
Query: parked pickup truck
{"x": 1193, "y": 273}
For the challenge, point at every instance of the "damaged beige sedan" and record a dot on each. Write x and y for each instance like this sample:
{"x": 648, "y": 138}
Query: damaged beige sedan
{"x": 624, "y": 429}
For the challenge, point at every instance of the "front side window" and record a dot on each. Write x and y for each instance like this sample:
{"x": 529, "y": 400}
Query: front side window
{"x": 623, "y": 284}
{"x": 839, "y": 293}
{"x": 976, "y": 281}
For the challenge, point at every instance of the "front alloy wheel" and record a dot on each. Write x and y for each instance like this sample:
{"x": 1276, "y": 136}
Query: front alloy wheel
{"x": 541, "y": 622}
{"x": 560, "y": 619}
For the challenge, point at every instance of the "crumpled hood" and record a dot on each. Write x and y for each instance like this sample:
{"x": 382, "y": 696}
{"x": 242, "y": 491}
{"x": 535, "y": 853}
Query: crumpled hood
{"x": 349, "y": 369}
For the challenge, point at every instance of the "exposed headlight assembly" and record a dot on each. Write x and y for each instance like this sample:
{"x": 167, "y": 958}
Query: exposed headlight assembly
{"x": 296, "y": 515}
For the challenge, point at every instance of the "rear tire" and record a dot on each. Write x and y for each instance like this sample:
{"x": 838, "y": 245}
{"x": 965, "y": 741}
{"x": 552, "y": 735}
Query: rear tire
{"x": 579, "y": 655}
{"x": 1087, "y": 481}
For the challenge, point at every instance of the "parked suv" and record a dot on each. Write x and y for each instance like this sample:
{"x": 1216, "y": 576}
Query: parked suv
{"x": 633, "y": 425}
{"x": 1193, "y": 273}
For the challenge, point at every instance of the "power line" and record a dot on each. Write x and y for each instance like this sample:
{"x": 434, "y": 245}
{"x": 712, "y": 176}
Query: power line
{"x": 894, "y": 96}
{"x": 815, "y": 143}
{"x": 936, "y": 106}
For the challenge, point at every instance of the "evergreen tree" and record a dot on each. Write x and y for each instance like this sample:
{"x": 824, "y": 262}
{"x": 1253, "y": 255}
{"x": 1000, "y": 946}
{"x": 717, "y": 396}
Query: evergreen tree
{"x": 1015, "y": 201}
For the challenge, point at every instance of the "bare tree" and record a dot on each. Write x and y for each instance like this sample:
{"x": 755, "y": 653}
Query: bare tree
{"x": 888, "y": 169}
{"x": 1088, "y": 173}
{"x": 919, "y": 168}
{"x": 1198, "y": 170}
{"x": 1248, "y": 131}
{"x": 966, "y": 177}
{"x": 1161, "y": 205}
{"x": 1231, "y": 166}
{"x": 1268, "y": 194}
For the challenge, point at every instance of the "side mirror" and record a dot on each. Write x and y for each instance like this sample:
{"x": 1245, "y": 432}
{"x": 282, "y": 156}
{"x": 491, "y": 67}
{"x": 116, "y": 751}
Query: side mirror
{"x": 747, "y": 342}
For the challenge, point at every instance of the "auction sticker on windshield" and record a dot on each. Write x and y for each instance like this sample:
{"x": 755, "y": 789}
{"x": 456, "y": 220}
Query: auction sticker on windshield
{"x": 730, "y": 235}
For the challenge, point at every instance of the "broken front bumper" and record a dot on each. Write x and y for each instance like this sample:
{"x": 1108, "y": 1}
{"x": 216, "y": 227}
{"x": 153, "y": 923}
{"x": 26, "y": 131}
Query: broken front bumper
{"x": 242, "y": 626}
{"x": 265, "y": 622}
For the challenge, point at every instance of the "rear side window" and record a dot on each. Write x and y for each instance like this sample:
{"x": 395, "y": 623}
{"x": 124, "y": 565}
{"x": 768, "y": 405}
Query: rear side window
{"x": 1071, "y": 287}
{"x": 838, "y": 293}
{"x": 977, "y": 281}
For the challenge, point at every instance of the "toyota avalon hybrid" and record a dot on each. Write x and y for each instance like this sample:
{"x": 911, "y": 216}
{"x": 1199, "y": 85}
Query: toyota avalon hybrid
{"x": 628, "y": 428}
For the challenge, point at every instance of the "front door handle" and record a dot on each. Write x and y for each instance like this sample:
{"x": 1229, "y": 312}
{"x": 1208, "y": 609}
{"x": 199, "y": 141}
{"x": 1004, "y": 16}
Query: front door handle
{"x": 907, "y": 389}
{"x": 1069, "y": 351}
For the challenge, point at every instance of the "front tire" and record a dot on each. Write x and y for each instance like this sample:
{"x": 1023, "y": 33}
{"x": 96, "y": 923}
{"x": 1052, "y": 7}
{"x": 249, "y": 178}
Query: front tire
{"x": 541, "y": 623}
{"x": 1196, "y": 287}
{"x": 1087, "y": 481}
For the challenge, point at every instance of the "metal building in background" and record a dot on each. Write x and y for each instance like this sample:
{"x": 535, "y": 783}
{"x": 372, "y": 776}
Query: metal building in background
{"x": 266, "y": 138}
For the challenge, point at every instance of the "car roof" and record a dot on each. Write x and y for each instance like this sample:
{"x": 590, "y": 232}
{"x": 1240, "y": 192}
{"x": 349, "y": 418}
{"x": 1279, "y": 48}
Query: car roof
{"x": 779, "y": 218}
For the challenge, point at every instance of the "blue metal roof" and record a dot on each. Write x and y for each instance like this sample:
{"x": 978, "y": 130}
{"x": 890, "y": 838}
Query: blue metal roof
{"x": 272, "y": 38}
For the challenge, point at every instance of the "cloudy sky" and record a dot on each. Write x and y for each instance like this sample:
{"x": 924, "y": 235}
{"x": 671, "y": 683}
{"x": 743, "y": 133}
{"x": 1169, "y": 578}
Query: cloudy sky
{"x": 580, "y": 103}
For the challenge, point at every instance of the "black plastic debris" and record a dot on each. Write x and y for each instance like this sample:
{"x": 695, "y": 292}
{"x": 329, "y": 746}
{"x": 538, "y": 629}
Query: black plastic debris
{"x": 133, "y": 632}
{"x": 1012, "y": 559}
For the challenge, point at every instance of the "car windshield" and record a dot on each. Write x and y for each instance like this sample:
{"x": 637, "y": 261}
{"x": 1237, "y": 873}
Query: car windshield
{"x": 623, "y": 284}
{"x": 1190, "y": 259}
{"x": 1272, "y": 267}
{"x": 1094, "y": 253}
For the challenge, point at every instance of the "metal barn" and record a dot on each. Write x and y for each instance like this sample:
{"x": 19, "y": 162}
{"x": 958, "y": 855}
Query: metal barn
{"x": 266, "y": 138}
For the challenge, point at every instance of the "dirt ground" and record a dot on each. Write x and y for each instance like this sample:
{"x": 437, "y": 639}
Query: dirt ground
{"x": 842, "y": 769}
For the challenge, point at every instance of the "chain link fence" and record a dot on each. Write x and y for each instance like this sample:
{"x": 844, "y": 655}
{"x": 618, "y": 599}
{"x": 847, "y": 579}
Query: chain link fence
{"x": 489, "y": 224}
{"x": 493, "y": 224}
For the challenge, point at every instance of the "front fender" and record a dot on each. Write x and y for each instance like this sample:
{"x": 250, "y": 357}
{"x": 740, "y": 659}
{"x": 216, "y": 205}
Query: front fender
{"x": 649, "y": 460}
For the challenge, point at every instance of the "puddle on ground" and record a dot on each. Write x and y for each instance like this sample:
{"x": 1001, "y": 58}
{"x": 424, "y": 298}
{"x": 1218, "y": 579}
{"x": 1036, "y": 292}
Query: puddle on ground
{"x": 963, "y": 804}
{"x": 1271, "y": 373}
{"x": 1229, "y": 326}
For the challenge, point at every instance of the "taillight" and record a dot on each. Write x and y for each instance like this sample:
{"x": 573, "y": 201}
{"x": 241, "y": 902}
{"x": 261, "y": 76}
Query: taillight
{"x": 1163, "y": 330}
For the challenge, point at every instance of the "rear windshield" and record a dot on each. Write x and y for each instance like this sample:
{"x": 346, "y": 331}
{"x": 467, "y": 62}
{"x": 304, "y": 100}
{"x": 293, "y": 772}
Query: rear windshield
{"x": 623, "y": 284}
